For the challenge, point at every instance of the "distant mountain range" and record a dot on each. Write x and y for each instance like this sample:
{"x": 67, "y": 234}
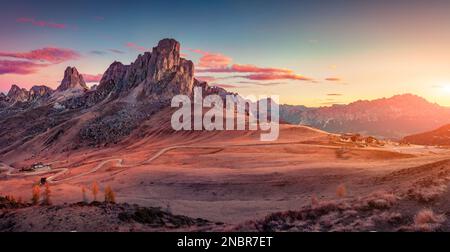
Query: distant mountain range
{"x": 393, "y": 117}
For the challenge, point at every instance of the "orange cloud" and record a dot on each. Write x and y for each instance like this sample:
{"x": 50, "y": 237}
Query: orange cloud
{"x": 334, "y": 94}
{"x": 270, "y": 76}
{"x": 212, "y": 60}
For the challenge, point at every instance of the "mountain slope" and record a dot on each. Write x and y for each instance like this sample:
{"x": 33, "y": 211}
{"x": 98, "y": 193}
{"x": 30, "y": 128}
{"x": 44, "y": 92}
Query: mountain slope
{"x": 440, "y": 136}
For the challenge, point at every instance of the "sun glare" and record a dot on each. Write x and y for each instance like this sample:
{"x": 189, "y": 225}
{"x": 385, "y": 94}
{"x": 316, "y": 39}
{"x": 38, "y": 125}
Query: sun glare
{"x": 446, "y": 88}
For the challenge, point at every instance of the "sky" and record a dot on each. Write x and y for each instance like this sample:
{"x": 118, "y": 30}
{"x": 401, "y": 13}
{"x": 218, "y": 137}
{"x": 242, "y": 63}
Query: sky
{"x": 313, "y": 53}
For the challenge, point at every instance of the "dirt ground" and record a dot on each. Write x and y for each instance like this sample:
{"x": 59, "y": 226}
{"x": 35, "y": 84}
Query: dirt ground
{"x": 233, "y": 177}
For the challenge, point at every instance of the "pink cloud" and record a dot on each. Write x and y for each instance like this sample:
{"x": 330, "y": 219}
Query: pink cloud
{"x": 41, "y": 23}
{"x": 206, "y": 78}
{"x": 219, "y": 63}
{"x": 212, "y": 60}
{"x": 224, "y": 85}
{"x": 237, "y": 68}
{"x": 262, "y": 83}
{"x": 92, "y": 77}
{"x": 49, "y": 54}
{"x": 136, "y": 47}
{"x": 19, "y": 67}
{"x": 275, "y": 76}
{"x": 333, "y": 79}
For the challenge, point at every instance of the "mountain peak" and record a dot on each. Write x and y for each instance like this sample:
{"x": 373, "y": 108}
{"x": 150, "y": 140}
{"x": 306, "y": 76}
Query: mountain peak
{"x": 72, "y": 79}
{"x": 37, "y": 92}
{"x": 18, "y": 94}
{"x": 164, "y": 58}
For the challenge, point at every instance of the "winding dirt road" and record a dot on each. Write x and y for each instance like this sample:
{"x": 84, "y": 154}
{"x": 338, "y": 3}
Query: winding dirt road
{"x": 119, "y": 162}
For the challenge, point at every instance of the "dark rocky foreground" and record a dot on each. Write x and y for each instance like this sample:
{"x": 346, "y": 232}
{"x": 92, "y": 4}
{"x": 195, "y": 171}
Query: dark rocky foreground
{"x": 378, "y": 211}
{"x": 94, "y": 217}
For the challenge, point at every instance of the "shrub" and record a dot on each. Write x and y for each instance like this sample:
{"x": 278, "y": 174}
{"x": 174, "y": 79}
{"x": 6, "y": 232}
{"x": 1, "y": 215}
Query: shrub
{"x": 341, "y": 191}
{"x": 110, "y": 197}
{"x": 427, "y": 220}
{"x": 36, "y": 194}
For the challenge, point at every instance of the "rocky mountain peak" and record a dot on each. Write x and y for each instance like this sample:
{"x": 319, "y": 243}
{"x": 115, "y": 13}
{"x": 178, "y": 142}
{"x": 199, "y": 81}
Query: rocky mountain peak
{"x": 165, "y": 57}
{"x": 18, "y": 94}
{"x": 37, "y": 92}
{"x": 72, "y": 80}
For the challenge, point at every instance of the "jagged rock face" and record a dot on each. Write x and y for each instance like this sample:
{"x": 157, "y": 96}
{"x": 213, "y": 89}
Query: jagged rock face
{"x": 211, "y": 90}
{"x": 72, "y": 80}
{"x": 18, "y": 94}
{"x": 39, "y": 92}
{"x": 113, "y": 79}
{"x": 4, "y": 100}
{"x": 165, "y": 58}
{"x": 169, "y": 75}
{"x": 162, "y": 73}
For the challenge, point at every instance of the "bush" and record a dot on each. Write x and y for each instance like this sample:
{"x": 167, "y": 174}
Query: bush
{"x": 427, "y": 220}
{"x": 341, "y": 191}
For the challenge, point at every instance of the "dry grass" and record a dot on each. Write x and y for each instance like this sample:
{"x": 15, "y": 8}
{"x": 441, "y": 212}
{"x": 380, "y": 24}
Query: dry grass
{"x": 314, "y": 201}
{"x": 427, "y": 220}
{"x": 427, "y": 194}
{"x": 371, "y": 212}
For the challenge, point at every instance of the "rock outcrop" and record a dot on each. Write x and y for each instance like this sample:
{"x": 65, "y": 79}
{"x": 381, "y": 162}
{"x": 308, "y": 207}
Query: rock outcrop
{"x": 39, "y": 92}
{"x": 72, "y": 80}
{"x": 4, "y": 100}
{"x": 17, "y": 94}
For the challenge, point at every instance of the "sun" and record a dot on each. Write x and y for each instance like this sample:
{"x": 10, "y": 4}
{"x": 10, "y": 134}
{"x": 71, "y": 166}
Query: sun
{"x": 446, "y": 88}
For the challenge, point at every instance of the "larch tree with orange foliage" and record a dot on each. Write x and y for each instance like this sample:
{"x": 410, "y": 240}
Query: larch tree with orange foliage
{"x": 110, "y": 196}
{"x": 47, "y": 193}
{"x": 95, "y": 190}
{"x": 35, "y": 194}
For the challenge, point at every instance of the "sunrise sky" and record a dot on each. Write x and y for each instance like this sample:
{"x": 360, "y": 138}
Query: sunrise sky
{"x": 314, "y": 53}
